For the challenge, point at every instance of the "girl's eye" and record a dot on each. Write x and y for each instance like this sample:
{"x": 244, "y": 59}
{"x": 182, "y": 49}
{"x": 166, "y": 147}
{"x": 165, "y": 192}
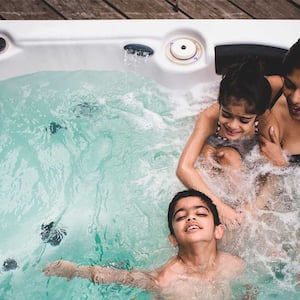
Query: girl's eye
{"x": 244, "y": 121}
{"x": 226, "y": 114}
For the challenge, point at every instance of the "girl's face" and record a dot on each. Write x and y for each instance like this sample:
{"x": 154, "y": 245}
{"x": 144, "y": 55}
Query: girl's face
{"x": 235, "y": 121}
{"x": 291, "y": 90}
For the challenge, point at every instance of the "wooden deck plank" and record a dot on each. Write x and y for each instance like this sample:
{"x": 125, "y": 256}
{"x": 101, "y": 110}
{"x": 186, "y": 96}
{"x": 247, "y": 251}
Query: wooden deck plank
{"x": 88, "y": 9}
{"x": 297, "y": 2}
{"x": 269, "y": 9}
{"x": 27, "y": 10}
{"x": 147, "y": 9}
{"x": 212, "y": 9}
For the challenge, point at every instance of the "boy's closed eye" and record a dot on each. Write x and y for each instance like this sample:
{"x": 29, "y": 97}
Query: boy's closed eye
{"x": 180, "y": 218}
{"x": 182, "y": 214}
{"x": 202, "y": 214}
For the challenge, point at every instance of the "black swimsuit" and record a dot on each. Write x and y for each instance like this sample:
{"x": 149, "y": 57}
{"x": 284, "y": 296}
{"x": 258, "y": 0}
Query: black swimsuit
{"x": 294, "y": 159}
{"x": 243, "y": 145}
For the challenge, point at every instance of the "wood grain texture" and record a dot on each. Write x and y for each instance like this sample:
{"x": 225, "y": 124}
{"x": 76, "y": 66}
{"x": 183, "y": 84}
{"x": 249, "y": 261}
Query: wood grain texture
{"x": 269, "y": 9}
{"x": 148, "y": 9}
{"x": 27, "y": 10}
{"x": 88, "y": 9}
{"x": 212, "y": 9}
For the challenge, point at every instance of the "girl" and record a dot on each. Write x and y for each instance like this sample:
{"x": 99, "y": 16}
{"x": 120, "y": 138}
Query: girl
{"x": 244, "y": 96}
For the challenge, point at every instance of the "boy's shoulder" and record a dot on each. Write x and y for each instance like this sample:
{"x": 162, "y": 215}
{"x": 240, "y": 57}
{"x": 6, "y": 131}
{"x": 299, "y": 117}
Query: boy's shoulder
{"x": 231, "y": 265}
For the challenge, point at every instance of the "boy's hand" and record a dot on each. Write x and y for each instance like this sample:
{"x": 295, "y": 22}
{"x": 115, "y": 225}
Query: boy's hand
{"x": 60, "y": 268}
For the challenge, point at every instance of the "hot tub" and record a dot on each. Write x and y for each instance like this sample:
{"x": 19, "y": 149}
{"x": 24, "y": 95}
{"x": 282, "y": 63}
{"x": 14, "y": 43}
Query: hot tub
{"x": 94, "y": 116}
{"x": 185, "y": 51}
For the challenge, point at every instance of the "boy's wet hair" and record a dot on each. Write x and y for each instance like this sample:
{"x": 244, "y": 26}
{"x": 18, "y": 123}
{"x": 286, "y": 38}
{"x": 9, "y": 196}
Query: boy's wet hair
{"x": 245, "y": 80}
{"x": 191, "y": 193}
{"x": 291, "y": 60}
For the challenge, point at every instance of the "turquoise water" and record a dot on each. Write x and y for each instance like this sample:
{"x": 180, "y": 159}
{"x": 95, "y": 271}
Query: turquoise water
{"x": 95, "y": 153}
{"x": 106, "y": 176}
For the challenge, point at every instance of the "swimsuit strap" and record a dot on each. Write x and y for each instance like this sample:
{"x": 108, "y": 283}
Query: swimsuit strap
{"x": 256, "y": 127}
{"x": 276, "y": 97}
{"x": 294, "y": 158}
{"x": 218, "y": 128}
{"x": 222, "y": 138}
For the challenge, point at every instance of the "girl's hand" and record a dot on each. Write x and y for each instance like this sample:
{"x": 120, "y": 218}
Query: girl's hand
{"x": 229, "y": 217}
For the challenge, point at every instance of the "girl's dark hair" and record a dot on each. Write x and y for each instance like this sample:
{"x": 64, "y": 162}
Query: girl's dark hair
{"x": 245, "y": 80}
{"x": 292, "y": 59}
{"x": 191, "y": 193}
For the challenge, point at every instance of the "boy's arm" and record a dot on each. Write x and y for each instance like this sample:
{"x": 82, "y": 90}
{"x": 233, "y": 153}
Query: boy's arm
{"x": 101, "y": 275}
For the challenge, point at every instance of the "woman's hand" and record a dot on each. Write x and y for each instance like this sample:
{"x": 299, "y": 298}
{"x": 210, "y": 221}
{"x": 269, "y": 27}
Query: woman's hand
{"x": 272, "y": 149}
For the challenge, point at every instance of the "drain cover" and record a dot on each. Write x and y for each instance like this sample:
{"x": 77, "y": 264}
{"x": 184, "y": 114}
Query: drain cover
{"x": 183, "y": 50}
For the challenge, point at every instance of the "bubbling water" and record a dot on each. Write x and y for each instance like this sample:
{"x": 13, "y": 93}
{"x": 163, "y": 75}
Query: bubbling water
{"x": 95, "y": 154}
{"x": 268, "y": 239}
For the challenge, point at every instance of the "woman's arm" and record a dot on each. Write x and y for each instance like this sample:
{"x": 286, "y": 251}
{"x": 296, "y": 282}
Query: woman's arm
{"x": 101, "y": 275}
{"x": 190, "y": 176}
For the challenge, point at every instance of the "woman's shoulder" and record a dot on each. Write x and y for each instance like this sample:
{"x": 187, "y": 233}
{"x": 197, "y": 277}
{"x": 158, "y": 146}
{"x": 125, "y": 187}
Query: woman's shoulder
{"x": 276, "y": 83}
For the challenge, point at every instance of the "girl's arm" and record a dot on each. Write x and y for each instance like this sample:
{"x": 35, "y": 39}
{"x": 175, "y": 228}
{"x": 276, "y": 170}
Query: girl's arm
{"x": 101, "y": 275}
{"x": 190, "y": 176}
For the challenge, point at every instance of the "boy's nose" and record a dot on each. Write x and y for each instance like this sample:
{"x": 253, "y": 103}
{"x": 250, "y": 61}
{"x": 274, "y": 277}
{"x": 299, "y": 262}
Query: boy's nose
{"x": 191, "y": 219}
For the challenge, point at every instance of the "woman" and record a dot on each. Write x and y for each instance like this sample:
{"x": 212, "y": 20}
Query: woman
{"x": 284, "y": 148}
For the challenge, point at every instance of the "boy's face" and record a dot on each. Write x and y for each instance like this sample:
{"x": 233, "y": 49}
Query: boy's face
{"x": 235, "y": 121}
{"x": 193, "y": 222}
{"x": 291, "y": 90}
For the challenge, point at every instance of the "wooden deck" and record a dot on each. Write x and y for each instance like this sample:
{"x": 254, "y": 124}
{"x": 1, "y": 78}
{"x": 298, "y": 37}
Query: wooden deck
{"x": 148, "y": 9}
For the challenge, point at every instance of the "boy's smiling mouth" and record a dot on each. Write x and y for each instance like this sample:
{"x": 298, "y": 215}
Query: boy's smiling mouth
{"x": 193, "y": 227}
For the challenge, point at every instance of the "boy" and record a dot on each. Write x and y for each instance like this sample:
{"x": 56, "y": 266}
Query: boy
{"x": 199, "y": 271}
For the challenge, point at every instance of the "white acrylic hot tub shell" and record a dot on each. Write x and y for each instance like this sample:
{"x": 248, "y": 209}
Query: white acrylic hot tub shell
{"x": 34, "y": 46}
